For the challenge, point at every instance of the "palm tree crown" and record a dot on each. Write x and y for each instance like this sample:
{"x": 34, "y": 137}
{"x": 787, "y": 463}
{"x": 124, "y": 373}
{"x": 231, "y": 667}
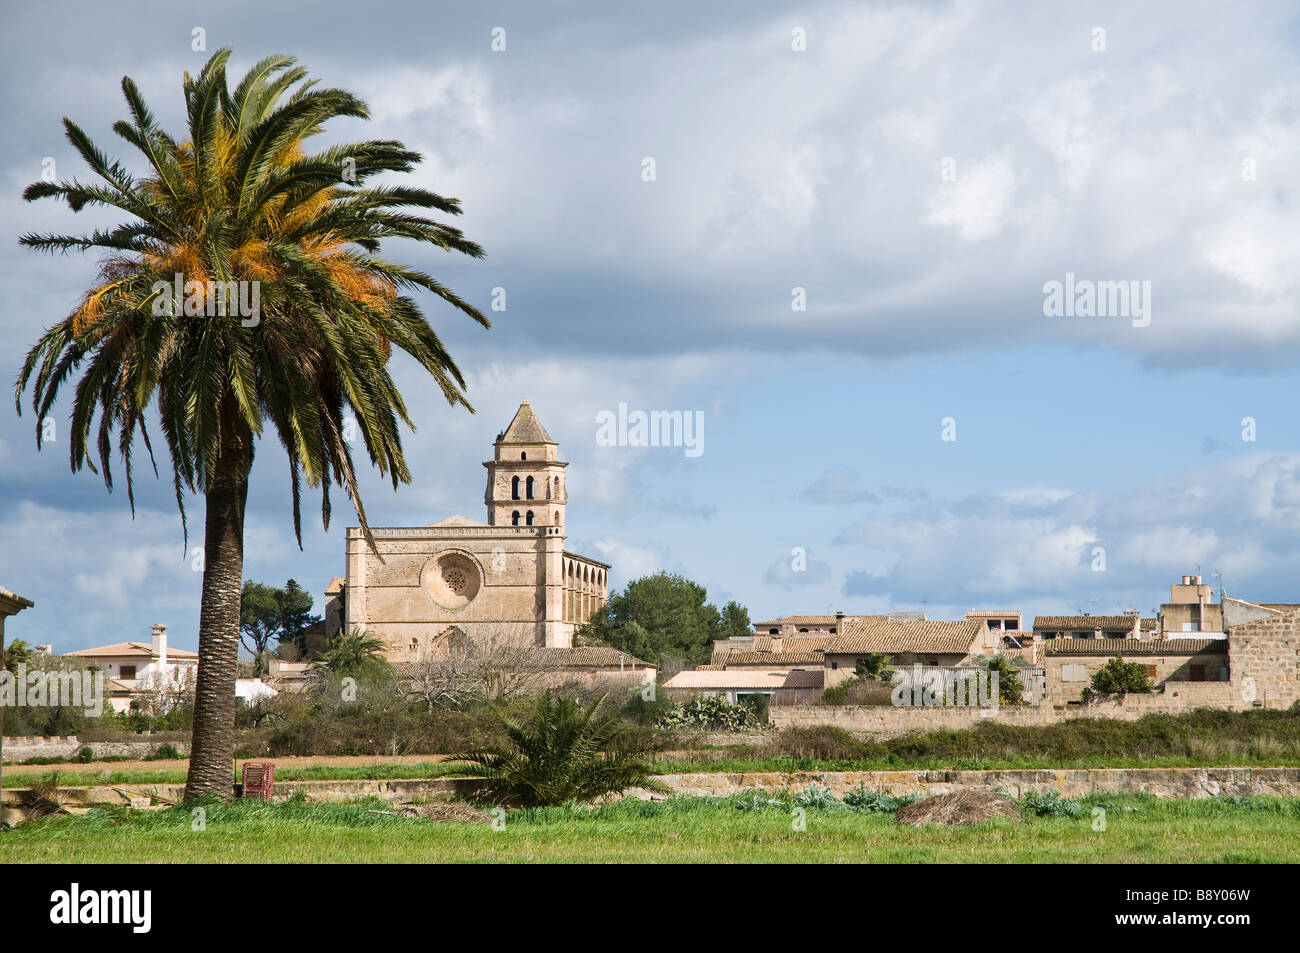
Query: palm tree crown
{"x": 241, "y": 200}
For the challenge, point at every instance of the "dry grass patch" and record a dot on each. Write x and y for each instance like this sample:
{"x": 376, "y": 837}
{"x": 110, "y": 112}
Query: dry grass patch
{"x": 958, "y": 809}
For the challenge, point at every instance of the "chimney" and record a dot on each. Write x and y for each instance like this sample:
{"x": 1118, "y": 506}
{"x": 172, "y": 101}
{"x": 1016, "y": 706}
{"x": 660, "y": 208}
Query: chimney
{"x": 160, "y": 644}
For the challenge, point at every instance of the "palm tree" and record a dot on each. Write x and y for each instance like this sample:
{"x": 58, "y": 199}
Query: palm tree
{"x": 563, "y": 752}
{"x": 356, "y": 651}
{"x": 16, "y": 653}
{"x": 241, "y": 200}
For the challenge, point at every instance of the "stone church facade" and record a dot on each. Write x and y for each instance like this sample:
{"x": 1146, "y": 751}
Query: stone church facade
{"x": 510, "y": 577}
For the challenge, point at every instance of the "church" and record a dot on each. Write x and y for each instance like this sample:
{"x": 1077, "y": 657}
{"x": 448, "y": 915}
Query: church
{"x": 511, "y": 577}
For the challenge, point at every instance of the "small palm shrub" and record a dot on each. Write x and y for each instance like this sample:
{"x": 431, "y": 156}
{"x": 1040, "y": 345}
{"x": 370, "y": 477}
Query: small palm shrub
{"x": 564, "y": 751}
{"x": 354, "y": 653}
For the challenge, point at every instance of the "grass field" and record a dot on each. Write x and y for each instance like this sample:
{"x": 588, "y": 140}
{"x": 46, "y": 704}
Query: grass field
{"x": 1138, "y": 830}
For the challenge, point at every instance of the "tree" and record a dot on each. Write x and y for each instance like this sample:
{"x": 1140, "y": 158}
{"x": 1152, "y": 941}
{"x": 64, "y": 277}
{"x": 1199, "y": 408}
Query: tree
{"x": 1118, "y": 677}
{"x": 296, "y": 616}
{"x": 564, "y": 752}
{"x": 16, "y": 653}
{"x": 874, "y": 666}
{"x": 735, "y": 621}
{"x": 661, "y": 617}
{"x": 268, "y": 613}
{"x": 236, "y": 216}
{"x": 359, "y": 652}
{"x": 1010, "y": 688}
{"x": 498, "y": 666}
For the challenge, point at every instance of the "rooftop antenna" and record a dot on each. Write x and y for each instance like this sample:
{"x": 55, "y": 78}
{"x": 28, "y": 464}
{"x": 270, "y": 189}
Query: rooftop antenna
{"x": 1218, "y": 574}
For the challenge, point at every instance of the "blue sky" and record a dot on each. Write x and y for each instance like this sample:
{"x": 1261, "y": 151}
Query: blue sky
{"x": 920, "y": 171}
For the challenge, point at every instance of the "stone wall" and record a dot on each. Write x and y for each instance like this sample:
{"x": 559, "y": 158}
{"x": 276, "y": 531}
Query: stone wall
{"x": 19, "y": 749}
{"x": 888, "y": 721}
{"x": 1264, "y": 657}
{"x": 1158, "y": 782}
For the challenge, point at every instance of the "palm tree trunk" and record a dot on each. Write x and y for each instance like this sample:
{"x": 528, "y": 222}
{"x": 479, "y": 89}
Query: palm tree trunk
{"x": 212, "y": 749}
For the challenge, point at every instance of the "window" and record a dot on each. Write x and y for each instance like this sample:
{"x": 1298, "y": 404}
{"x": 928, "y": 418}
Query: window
{"x": 514, "y": 488}
{"x": 530, "y": 517}
{"x": 1074, "y": 673}
{"x": 523, "y": 456}
{"x": 126, "y": 671}
{"x": 530, "y": 488}
{"x": 1191, "y": 627}
{"x": 514, "y": 518}
{"x": 835, "y": 664}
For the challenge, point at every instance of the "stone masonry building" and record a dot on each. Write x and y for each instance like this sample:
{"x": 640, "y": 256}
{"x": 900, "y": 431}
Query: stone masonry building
{"x": 508, "y": 578}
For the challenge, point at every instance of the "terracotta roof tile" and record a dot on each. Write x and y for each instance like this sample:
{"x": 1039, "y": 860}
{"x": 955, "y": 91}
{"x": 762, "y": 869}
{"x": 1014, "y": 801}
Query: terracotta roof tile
{"x": 591, "y": 656}
{"x": 1134, "y": 647}
{"x": 798, "y": 620}
{"x": 1060, "y": 623}
{"x": 811, "y": 657}
{"x": 805, "y": 678}
{"x": 867, "y": 634}
{"x": 132, "y": 649}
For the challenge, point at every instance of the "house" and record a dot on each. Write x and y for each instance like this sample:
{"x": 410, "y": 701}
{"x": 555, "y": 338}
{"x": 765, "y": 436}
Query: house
{"x": 1190, "y": 612}
{"x": 734, "y": 686}
{"x": 251, "y": 691}
{"x": 771, "y": 653}
{"x": 133, "y": 668}
{"x": 1071, "y": 663}
{"x": 799, "y": 625}
{"x": 1127, "y": 626}
{"x": 929, "y": 642}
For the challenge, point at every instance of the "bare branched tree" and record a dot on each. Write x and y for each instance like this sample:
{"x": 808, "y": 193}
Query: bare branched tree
{"x": 157, "y": 694}
{"x": 497, "y": 665}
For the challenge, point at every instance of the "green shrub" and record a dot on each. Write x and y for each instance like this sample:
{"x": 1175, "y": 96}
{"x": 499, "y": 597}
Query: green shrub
{"x": 867, "y": 801}
{"x": 1010, "y": 688}
{"x": 1118, "y": 677}
{"x": 1051, "y": 804}
{"x": 818, "y": 797}
{"x": 563, "y": 752}
{"x": 874, "y": 666}
{"x": 758, "y": 801}
{"x": 823, "y": 743}
{"x": 712, "y": 712}
{"x": 836, "y": 694}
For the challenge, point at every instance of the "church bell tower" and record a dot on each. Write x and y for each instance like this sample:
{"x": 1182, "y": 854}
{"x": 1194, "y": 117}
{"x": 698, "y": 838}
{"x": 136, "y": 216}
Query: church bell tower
{"x": 525, "y": 484}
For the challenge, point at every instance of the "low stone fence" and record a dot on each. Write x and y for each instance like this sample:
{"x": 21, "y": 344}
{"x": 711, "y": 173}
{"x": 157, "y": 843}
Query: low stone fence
{"x": 1158, "y": 782}
{"x": 19, "y": 749}
{"x": 888, "y": 721}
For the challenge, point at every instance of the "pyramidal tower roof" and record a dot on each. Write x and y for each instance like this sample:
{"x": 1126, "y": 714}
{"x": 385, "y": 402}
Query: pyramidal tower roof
{"x": 525, "y": 428}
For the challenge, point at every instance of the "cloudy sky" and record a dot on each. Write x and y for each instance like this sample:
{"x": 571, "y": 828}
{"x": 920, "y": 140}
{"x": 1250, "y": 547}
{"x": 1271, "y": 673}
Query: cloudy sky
{"x": 827, "y": 228}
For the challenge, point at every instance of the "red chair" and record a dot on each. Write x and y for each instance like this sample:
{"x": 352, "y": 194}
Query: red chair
{"x": 259, "y": 780}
